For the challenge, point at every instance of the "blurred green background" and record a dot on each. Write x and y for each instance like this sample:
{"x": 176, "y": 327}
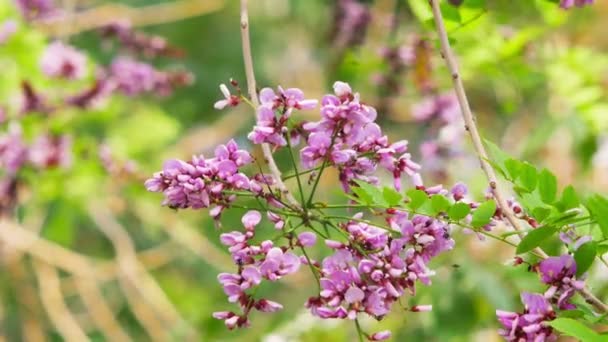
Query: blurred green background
{"x": 537, "y": 78}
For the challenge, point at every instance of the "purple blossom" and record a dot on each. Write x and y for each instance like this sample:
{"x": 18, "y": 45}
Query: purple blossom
{"x": 35, "y": 9}
{"x": 137, "y": 42}
{"x": 229, "y": 99}
{"x": 529, "y": 325}
{"x": 566, "y": 4}
{"x": 201, "y": 182}
{"x": 560, "y": 273}
{"x": 51, "y": 151}
{"x": 380, "y": 336}
{"x": 307, "y": 239}
{"x": 444, "y": 107}
{"x": 353, "y": 282}
{"x": 7, "y": 29}
{"x": 63, "y": 61}
{"x": 348, "y": 138}
{"x": 13, "y": 151}
{"x": 350, "y": 22}
{"x": 274, "y": 112}
{"x": 133, "y": 77}
{"x": 251, "y": 219}
{"x": 256, "y": 263}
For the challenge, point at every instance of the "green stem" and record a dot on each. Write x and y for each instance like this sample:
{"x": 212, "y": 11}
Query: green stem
{"x": 295, "y": 168}
{"x": 301, "y": 173}
{"x": 359, "y": 331}
{"x": 323, "y": 165}
{"x": 312, "y": 269}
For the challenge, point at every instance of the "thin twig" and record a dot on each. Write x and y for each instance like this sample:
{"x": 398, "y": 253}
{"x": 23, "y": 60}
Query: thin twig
{"x": 52, "y": 300}
{"x": 138, "y": 16}
{"x": 99, "y": 310}
{"x": 471, "y": 127}
{"x": 132, "y": 270}
{"x": 251, "y": 89}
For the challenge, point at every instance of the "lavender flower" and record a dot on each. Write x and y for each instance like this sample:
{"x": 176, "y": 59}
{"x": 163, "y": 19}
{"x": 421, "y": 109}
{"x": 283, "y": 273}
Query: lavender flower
{"x": 351, "y": 19}
{"x": 13, "y": 151}
{"x": 529, "y": 325}
{"x": 7, "y": 29}
{"x": 229, "y": 99}
{"x": 138, "y": 42}
{"x": 443, "y": 107}
{"x": 49, "y": 151}
{"x": 348, "y": 138}
{"x": 256, "y": 263}
{"x": 202, "y": 182}
{"x": 35, "y": 9}
{"x": 133, "y": 77}
{"x": 560, "y": 273}
{"x": 63, "y": 61}
{"x": 566, "y": 4}
{"x": 273, "y": 113}
{"x": 371, "y": 282}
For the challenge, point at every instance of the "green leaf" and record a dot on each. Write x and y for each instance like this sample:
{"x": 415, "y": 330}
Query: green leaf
{"x": 391, "y": 196}
{"x": 528, "y": 177}
{"x": 547, "y": 186}
{"x": 541, "y": 213}
{"x": 584, "y": 257}
{"x": 571, "y": 313}
{"x": 450, "y": 13}
{"x": 483, "y": 214}
{"x": 374, "y": 194}
{"x": 602, "y": 249}
{"x": 571, "y": 327}
{"x": 513, "y": 168}
{"x": 440, "y": 204}
{"x": 534, "y": 238}
{"x": 458, "y": 211}
{"x": 569, "y": 198}
{"x": 474, "y": 3}
{"x": 362, "y": 196}
{"x": 598, "y": 207}
{"x": 417, "y": 198}
{"x": 498, "y": 157}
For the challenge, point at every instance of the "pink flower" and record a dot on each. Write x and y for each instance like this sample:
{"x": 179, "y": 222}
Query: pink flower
{"x": 229, "y": 99}
{"x": 380, "y": 336}
{"x": 251, "y": 219}
{"x": 63, "y": 61}
{"x": 307, "y": 239}
{"x": 566, "y": 4}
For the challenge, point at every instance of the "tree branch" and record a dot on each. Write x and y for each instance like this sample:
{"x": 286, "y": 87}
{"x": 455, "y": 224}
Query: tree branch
{"x": 471, "y": 127}
{"x": 251, "y": 89}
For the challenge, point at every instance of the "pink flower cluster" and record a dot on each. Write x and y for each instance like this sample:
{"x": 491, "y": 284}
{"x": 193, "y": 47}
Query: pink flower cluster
{"x": 376, "y": 267}
{"x": 529, "y": 325}
{"x": 137, "y": 42}
{"x": 36, "y": 9}
{"x": 558, "y": 272}
{"x": 63, "y": 61}
{"x": 566, "y": 4}
{"x": 348, "y": 138}
{"x": 134, "y": 78}
{"x": 255, "y": 263}
{"x": 273, "y": 113}
{"x": 47, "y": 151}
{"x": 203, "y": 182}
